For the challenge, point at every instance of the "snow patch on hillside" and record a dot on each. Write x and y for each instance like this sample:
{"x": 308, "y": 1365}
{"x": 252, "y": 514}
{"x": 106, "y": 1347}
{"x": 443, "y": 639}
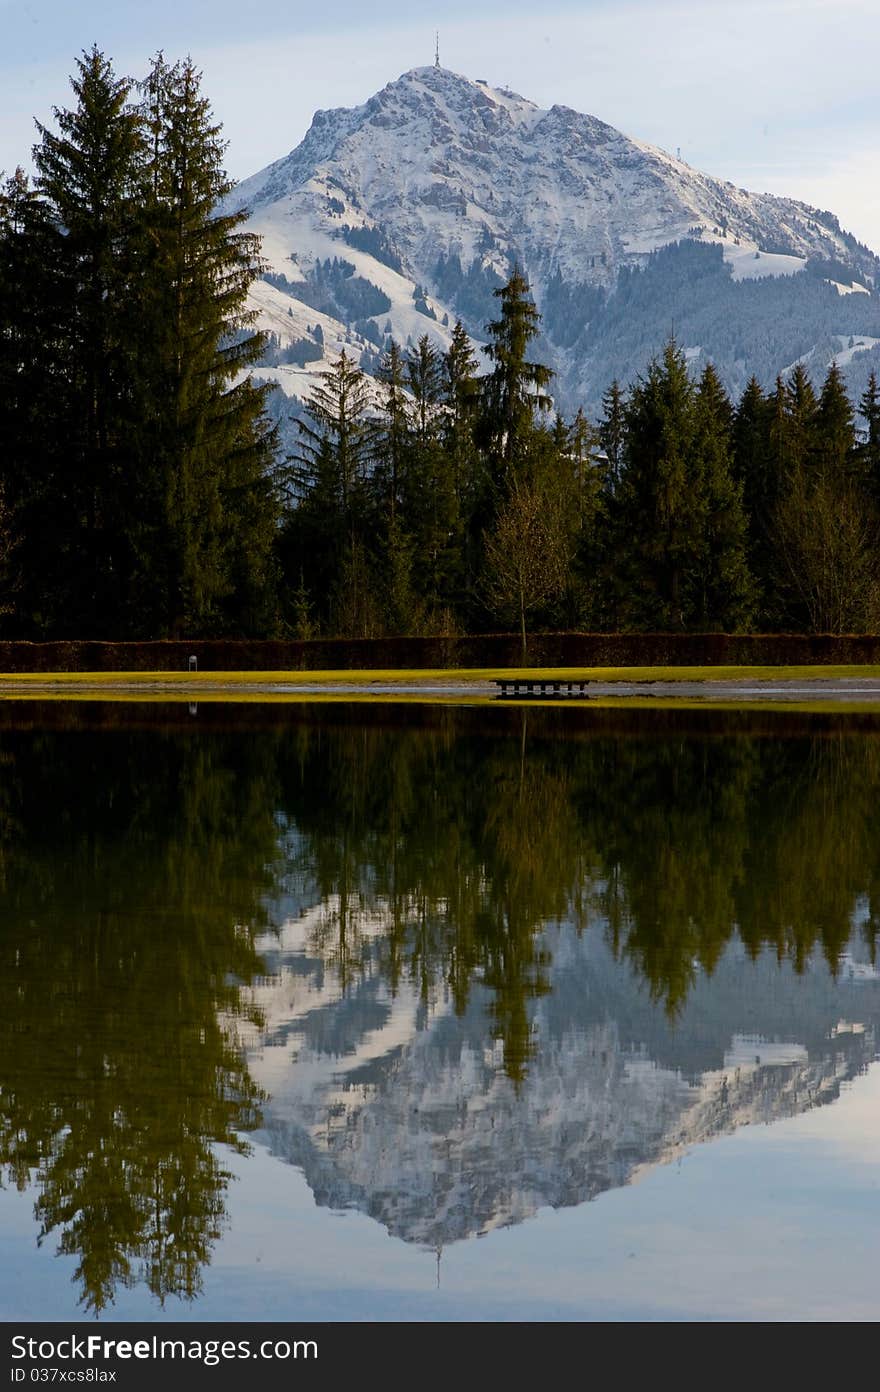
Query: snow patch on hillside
{"x": 752, "y": 264}
{"x": 853, "y": 289}
{"x": 860, "y": 344}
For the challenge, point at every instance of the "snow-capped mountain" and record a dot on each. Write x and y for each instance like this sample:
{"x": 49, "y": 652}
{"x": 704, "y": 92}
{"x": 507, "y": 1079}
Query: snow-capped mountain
{"x": 397, "y": 217}
{"x": 401, "y": 1108}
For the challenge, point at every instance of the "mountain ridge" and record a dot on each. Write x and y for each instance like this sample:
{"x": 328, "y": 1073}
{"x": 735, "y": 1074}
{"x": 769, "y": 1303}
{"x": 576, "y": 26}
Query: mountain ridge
{"x": 404, "y": 1112}
{"x": 433, "y": 189}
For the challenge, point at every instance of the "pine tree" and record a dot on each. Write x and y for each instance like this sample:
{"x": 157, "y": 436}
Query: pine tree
{"x": 433, "y": 506}
{"x": 160, "y": 515}
{"x": 612, "y": 430}
{"x": 834, "y": 428}
{"x": 722, "y": 586}
{"x": 753, "y": 468}
{"x": 425, "y": 373}
{"x": 680, "y": 529}
{"x": 660, "y": 511}
{"x": 460, "y": 397}
{"x": 207, "y": 448}
{"x": 779, "y": 455}
{"x": 460, "y": 394}
{"x": 34, "y": 406}
{"x": 328, "y": 481}
{"x": 825, "y": 529}
{"x": 589, "y": 475}
{"x": 301, "y": 611}
{"x": 402, "y": 608}
{"x": 514, "y": 391}
{"x": 91, "y": 176}
{"x": 337, "y": 449}
{"x": 395, "y": 460}
{"x": 801, "y": 409}
{"x": 869, "y": 449}
{"x": 393, "y": 443}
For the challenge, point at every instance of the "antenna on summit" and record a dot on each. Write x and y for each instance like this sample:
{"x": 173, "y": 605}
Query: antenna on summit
{"x": 436, "y": 48}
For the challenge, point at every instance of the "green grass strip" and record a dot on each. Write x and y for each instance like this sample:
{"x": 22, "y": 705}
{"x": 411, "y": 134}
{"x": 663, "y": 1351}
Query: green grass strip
{"x": 411, "y": 676}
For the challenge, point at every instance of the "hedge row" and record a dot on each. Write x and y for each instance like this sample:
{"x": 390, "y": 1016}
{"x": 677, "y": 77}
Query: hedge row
{"x": 482, "y": 650}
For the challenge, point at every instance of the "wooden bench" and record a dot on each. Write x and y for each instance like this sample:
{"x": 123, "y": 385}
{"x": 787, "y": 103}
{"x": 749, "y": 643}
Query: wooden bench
{"x": 520, "y": 688}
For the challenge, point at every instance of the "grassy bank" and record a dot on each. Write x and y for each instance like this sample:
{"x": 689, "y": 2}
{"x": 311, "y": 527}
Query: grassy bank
{"x": 447, "y": 676}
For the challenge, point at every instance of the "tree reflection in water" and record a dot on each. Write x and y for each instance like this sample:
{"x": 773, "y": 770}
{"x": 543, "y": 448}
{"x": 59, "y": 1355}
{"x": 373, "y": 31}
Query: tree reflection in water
{"x": 141, "y": 858}
{"x": 132, "y": 875}
{"x": 671, "y": 834}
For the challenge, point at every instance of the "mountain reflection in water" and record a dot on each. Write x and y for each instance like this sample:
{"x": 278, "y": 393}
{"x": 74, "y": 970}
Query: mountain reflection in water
{"x": 454, "y": 964}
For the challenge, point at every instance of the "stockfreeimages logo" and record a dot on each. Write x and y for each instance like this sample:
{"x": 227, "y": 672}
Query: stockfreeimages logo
{"x": 210, "y": 1352}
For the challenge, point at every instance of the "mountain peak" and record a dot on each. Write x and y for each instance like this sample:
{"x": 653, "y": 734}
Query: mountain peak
{"x": 465, "y": 96}
{"x": 427, "y": 195}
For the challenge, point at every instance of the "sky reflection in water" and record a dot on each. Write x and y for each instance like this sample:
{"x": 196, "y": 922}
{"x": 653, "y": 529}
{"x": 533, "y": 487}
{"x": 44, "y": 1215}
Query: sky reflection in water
{"x": 452, "y": 973}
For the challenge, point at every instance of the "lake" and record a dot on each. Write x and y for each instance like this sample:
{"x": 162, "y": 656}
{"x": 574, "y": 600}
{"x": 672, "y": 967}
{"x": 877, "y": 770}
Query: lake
{"x": 337, "y": 1011}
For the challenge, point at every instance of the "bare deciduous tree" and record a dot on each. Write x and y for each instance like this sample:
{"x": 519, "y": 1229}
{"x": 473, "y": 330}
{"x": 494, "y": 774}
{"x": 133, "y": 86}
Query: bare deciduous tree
{"x": 829, "y": 553}
{"x": 527, "y": 554}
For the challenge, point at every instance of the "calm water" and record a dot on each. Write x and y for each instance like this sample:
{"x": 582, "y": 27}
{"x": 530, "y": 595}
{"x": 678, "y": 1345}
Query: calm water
{"x": 388, "y": 1012}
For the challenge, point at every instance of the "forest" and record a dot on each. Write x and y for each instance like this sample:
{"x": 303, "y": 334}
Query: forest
{"x": 144, "y": 492}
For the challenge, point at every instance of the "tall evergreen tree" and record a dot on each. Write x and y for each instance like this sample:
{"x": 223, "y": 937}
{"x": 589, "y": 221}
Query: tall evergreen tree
{"x": 389, "y": 482}
{"x": 207, "y": 448}
{"x": 801, "y": 408}
{"x": 34, "y": 407}
{"x": 91, "y": 175}
{"x": 337, "y": 446}
{"x": 659, "y": 514}
{"x": 612, "y": 431}
{"x": 514, "y": 390}
{"x": 151, "y": 492}
{"x": 434, "y": 505}
{"x": 328, "y": 480}
{"x": 834, "y": 428}
{"x": 460, "y": 396}
{"x": 723, "y": 590}
{"x": 780, "y": 459}
{"x": 395, "y": 587}
{"x": 680, "y": 522}
{"x": 753, "y": 468}
{"x": 425, "y": 374}
{"x": 393, "y": 443}
{"x": 824, "y": 527}
{"x": 869, "y": 449}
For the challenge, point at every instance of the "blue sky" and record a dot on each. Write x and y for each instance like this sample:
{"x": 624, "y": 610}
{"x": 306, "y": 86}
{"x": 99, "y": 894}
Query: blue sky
{"x": 778, "y": 95}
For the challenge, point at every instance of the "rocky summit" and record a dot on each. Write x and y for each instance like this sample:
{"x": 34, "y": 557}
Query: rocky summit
{"x": 395, "y": 218}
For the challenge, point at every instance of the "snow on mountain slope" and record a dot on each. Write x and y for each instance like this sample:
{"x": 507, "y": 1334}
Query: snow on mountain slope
{"x": 436, "y": 187}
{"x": 401, "y": 1107}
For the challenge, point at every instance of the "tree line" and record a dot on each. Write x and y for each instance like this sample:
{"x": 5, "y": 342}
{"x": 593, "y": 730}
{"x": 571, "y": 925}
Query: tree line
{"x": 143, "y": 493}
{"x": 446, "y": 500}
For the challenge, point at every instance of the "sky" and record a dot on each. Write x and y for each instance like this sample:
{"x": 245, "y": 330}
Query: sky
{"x": 777, "y": 96}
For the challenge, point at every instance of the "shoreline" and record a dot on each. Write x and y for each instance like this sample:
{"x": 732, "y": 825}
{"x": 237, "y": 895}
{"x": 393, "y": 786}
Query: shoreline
{"x": 751, "y": 685}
